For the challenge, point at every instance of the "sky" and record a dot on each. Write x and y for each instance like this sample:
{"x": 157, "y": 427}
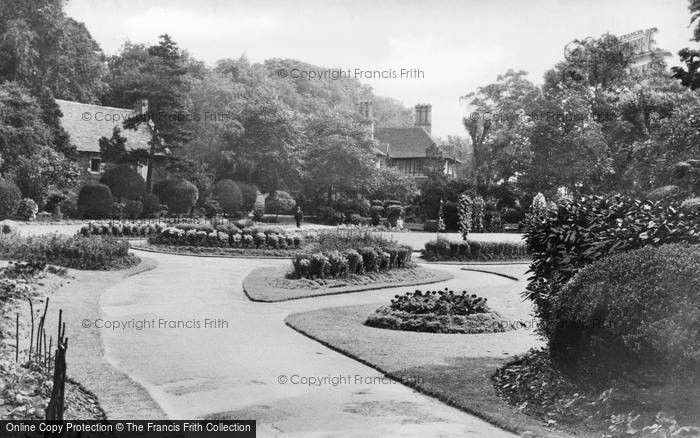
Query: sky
{"x": 451, "y": 47}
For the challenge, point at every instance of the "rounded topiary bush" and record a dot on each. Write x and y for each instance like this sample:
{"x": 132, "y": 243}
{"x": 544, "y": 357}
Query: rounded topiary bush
{"x": 95, "y": 201}
{"x": 630, "y": 313}
{"x": 9, "y": 197}
{"x": 27, "y": 209}
{"x": 250, "y": 194}
{"x": 151, "y": 205}
{"x": 124, "y": 182}
{"x": 279, "y": 201}
{"x": 178, "y": 194}
{"x": 228, "y": 195}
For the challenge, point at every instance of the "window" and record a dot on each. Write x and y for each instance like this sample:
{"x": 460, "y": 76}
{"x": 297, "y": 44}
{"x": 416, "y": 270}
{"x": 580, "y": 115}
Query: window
{"x": 419, "y": 167}
{"x": 95, "y": 165}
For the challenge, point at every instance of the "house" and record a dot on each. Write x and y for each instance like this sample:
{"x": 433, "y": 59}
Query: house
{"x": 87, "y": 123}
{"x": 408, "y": 149}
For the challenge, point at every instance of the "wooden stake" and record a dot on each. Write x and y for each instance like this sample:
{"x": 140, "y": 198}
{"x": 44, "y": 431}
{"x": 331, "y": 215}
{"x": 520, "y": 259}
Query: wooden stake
{"x": 31, "y": 336}
{"x": 17, "y": 339}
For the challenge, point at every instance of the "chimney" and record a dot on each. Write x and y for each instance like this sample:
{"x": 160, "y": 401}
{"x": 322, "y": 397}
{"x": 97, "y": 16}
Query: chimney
{"x": 367, "y": 115}
{"x": 424, "y": 116}
{"x": 141, "y": 107}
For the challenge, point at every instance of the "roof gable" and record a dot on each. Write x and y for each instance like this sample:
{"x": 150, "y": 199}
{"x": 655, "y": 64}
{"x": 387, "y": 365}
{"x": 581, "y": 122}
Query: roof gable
{"x": 409, "y": 142}
{"x": 86, "y": 124}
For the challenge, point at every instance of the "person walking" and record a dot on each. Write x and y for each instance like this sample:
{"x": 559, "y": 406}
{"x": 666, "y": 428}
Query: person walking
{"x": 299, "y": 216}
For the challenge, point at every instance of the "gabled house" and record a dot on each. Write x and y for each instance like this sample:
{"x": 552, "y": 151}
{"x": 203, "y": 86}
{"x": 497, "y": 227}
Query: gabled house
{"x": 407, "y": 149}
{"x": 87, "y": 123}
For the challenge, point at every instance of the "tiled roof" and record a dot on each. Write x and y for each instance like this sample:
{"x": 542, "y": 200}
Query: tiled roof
{"x": 86, "y": 124}
{"x": 404, "y": 142}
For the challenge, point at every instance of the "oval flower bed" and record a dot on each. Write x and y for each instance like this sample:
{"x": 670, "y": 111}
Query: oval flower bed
{"x": 439, "y": 312}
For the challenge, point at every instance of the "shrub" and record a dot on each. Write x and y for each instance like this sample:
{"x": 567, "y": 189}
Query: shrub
{"x": 442, "y": 249}
{"x": 259, "y": 208}
{"x": 151, "y": 205}
{"x": 355, "y": 265}
{"x": 329, "y": 216}
{"x": 94, "y": 252}
{"x": 133, "y": 209}
{"x": 211, "y": 207}
{"x": 478, "y": 207}
{"x": 376, "y": 212}
{"x": 228, "y": 195}
{"x": 631, "y": 312}
{"x": 369, "y": 259}
{"x": 27, "y": 209}
{"x": 393, "y": 213}
{"x": 444, "y": 302}
{"x": 465, "y": 209}
{"x": 450, "y": 216}
{"x": 178, "y": 194}
{"x": 279, "y": 201}
{"x": 338, "y": 264}
{"x": 10, "y": 197}
{"x": 577, "y": 233}
{"x": 355, "y": 219}
{"x": 249, "y": 193}
{"x": 124, "y": 182}
{"x": 319, "y": 266}
{"x": 95, "y": 201}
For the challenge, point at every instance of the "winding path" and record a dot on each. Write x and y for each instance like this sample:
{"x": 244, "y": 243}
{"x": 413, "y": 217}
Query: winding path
{"x": 234, "y": 371}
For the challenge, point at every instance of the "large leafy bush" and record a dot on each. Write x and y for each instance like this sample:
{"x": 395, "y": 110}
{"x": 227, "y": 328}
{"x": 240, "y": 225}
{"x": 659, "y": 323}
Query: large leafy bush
{"x": 637, "y": 311}
{"x": 124, "y": 182}
{"x": 27, "y": 209}
{"x": 250, "y": 194}
{"x": 9, "y": 197}
{"x": 178, "y": 194}
{"x": 577, "y": 233}
{"x": 95, "y": 201}
{"x": 229, "y": 196}
{"x": 279, "y": 201}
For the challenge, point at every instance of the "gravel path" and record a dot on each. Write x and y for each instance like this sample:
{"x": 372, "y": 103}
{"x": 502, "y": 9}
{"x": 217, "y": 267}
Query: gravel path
{"x": 253, "y": 366}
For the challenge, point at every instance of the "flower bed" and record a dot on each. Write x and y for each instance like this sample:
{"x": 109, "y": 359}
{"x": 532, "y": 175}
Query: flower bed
{"x": 439, "y": 312}
{"x": 93, "y": 252}
{"x": 121, "y": 228}
{"x": 229, "y": 236}
{"x": 334, "y": 264}
{"x": 445, "y": 250}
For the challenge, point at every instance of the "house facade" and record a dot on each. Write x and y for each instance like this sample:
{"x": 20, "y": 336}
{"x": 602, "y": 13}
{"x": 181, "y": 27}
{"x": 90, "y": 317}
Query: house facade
{"x": 87, "y": 123}
{"x": 407, "y": 149}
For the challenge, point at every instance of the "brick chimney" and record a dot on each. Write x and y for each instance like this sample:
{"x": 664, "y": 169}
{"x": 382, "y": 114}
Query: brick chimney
{"x": 424, "y": 116}
{"x": 367, "y": 115}
{"x": 141, "y": 107}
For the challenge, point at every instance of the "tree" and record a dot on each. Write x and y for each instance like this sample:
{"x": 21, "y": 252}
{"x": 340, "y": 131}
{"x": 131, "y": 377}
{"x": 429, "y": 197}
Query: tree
{"x": 41, "y": 47}
{"x": 159, "y": 74}
{"x": 45, "y": 172}
{"x": 690, "y": 75}
{"x": 339, "y": 158}
{"x": 228, "y": 195}
{"x": 390, "y": 183}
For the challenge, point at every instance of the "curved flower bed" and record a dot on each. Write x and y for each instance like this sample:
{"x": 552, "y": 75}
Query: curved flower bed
{"x": 228, "y": 237}
{"x": 439, "y": 312}
{"x": 121, "y": 228}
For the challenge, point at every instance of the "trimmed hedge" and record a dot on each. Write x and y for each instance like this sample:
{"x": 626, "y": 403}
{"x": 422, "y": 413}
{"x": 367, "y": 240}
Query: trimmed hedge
{"x": 225, "y": 236}
{"x": 579, "y": 232}
{"x": 95, "y": 201}
{"x": 10, "y": 197}
{"x": 635, "y": 312}
{"x": 446, "y": 250}
{"x": 124, "y": 182}
{"x": 229, "y": 196}
{"x": 178, "y": 194}
{"x": 27, "y": 209}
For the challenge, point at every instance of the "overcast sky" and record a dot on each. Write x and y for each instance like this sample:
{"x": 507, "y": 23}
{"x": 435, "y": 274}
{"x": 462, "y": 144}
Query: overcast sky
{"x": 459, "y": 45}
